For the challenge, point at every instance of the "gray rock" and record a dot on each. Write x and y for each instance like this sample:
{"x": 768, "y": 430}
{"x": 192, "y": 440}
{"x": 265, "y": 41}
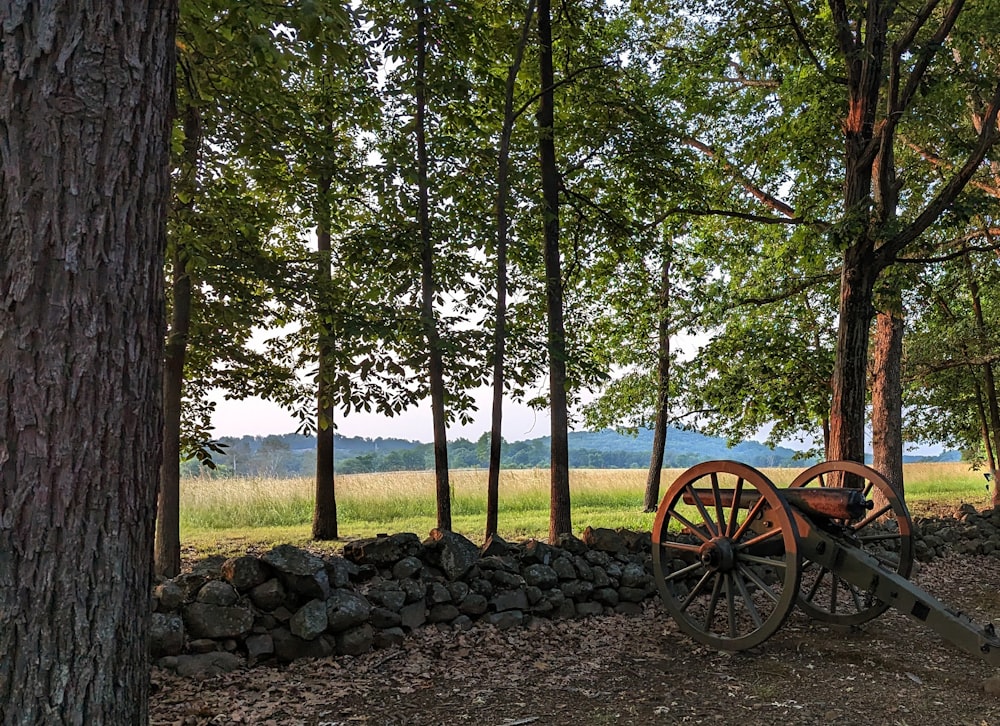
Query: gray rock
{"x": 217, "y": 592}
{"x": 473, "y": 604}
{"x": 631, "y": 609}
{"x": 601, "y": 578}
{"x": 310, "y": 620}
{"x": 203, "y": 645}
{"x": 452, "y": 553}
{"x": 533, "y": 594}
{"x": 584, "y": 609}
{"x": 540, "y": 576}
{"x": 606, "y": 596}
{"x": 168, "y": 596}
{"x": 482, "y": 586}
{"x": 383, "y": 551}
{"x": 259, "y": 646}
{"x": 189, "y": 584}
{"x": 389, "y": 637}
{"x": 495, "y": 545}
{"x": 535, "y": 552}
{"x": 563, "y": 567}
{"x": 268, "y": 595}
{"x": 598, "y": 558}
{"x": 634, "y": 575}
{"x": 504, "y": 579}
{"x": 356, "y": 641}
{"x": 244, "y": 573}
{"x": 340, "y": 571}
{"x": 604, "y": 540}
{"x": 166, "y": 634}
{"x": 458, "y": 590}
{"x": 510, "y": 600}
{"x": 462, "y": 622}
{"x": 300, "y": 571}
{"x": 506, "y": 619}
{"x": 571, "y": 544}
{"x": 391, "y": 599}
{"x": 385, "y": 618}
{"x": 583, "y": 568}
{"x": 407, "y": 567}
{"x": 443, "y": 612}
{"x": 565, "y": 609}
{"x": 438, "y": 593}
{"x": 207, "y": 665}
{"x": 289, "y": 647}
{"x": 216, "y": 621}
{"x": 413, "y": 590}
{"x": 632, "y": 594}
{"x": 414, "y": 615}
{"x": 578, "y": 590}
{"x": 346, "y": 609}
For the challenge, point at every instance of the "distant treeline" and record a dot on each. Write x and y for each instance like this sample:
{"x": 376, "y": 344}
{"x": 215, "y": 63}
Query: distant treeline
{"x": 291, "y": 455}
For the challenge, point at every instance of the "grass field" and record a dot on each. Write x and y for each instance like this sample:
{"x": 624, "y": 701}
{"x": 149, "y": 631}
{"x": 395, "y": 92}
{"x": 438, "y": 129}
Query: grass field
{"x": 225, "y": 516}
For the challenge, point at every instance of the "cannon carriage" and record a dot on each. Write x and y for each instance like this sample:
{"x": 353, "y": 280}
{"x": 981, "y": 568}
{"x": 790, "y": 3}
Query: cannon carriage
{"x": 733, "y": 555}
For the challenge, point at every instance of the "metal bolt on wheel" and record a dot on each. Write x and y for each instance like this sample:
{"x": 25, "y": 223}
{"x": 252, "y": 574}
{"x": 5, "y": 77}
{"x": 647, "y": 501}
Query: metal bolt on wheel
{"x": 726, "y": 555}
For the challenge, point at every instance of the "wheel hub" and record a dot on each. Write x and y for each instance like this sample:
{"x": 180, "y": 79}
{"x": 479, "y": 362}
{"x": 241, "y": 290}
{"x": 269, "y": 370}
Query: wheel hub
{"x": 719, "y": 554}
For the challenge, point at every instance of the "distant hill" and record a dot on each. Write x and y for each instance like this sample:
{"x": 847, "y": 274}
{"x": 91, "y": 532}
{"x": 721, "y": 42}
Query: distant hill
{"x": 294, "y": 454}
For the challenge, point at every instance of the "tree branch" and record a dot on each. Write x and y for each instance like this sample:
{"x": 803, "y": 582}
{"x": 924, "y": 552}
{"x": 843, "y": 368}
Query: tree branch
{"x": 987, "y": 138}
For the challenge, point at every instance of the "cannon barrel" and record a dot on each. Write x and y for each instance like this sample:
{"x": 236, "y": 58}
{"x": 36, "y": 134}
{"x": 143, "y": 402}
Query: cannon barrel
{"x": 830, "y": 502}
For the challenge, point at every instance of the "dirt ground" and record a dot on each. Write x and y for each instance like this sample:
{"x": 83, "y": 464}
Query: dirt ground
{"x": 615, "y": 669}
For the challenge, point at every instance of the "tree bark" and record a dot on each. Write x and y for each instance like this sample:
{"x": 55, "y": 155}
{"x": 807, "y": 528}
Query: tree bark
{"x": 887, "y": 401}
{"x": 559, "y": 503}
{"x": 325, "y": 525}
{"x": 435, "y": 364}
{"x": 85, "y": 93}
{"x": 503, "y": 224}
{"x": 652, "y": 495}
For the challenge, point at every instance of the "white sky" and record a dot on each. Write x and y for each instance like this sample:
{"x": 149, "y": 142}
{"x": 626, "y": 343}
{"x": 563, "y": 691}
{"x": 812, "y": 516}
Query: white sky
{"x": 257, "y": 417}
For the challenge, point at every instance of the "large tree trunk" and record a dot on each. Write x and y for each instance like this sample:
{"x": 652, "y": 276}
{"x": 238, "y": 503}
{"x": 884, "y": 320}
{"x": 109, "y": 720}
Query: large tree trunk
{"x": 167, "y": 548}
{"x": 503, "y": 224}
{"x": 887, "y": 401}
{"x": 325, "y": 525}
{"x": 652, "y": 495}
{"x": 850, "y": 384}
{"x": 559, "y": 506}
{"x": 84, "y": 106}
{"x": 435, "y": 364}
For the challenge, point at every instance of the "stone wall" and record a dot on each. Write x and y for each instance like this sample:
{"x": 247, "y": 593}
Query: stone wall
{"x": 291, "y": 603}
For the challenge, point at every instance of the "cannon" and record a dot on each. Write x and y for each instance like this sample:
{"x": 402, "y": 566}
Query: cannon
{"x": 733, "y": 555}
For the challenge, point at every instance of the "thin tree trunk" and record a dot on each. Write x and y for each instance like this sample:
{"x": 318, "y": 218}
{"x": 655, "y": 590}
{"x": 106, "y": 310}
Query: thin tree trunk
{"x": 325, "y": 525}
{"x": 167, "y": 550}
{"x": 989, "y": 381}
{"x": 652, "y": 495}
{"x": 85, "y": 112}
{"x": 984, "y": 428}
{"x": 167, "y": 547}
{"x": 559, "y": 506}
{"x": 435, "y": 366}
{"x": 887, "y": 402}
{"x": 503, "y": 223}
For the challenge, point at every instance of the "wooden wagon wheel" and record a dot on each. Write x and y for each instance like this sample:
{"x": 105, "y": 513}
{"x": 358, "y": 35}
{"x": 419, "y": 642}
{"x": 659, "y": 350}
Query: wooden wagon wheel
{"x": 729, "y": 575}
{"x": 885, "y": 533}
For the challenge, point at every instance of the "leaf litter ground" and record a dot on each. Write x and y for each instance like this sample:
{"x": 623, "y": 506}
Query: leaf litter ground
{"x": 621, "y": 670}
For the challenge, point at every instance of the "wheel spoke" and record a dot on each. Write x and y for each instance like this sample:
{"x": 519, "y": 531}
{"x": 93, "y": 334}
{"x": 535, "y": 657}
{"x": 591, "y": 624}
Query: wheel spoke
{"x": 734, "y": 510}
{"x": 751, "y": 575}
{"x": 717, "y": 494}
{"x": 731, "y": 605}
{"x": 710, "y": 525}
{"x": 683, "y": 572}
{"x": 872, "y": 517}
{"x": 691, "y": 526}
{"x": 751, "y": 515}
{"x": 695, "y": 590}
{"x": 766, "y": 561}
{"x": 680, "y": 546}
{"x": 884, "y": 536}
{"x": 745, "y": 594}
{"x": 858, "y": 605}
{"x": 776, "y": 532}
{"x": 716, "y": 594}
{"x": 815, "y": 586}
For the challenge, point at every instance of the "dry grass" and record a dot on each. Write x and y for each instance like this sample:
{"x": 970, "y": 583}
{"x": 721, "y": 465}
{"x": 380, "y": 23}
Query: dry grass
{"x": 248, "y": 509}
